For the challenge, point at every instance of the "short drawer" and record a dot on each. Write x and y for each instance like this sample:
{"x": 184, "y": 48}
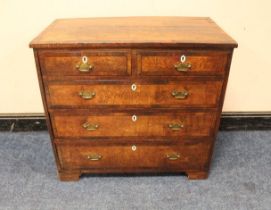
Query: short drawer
{"x": 85, "y": 62}
{"x": 176, "y": 157}
{"x": 176, "y": 94}
{"x": 84, "y": 123}
{"x": 181, "y": 62}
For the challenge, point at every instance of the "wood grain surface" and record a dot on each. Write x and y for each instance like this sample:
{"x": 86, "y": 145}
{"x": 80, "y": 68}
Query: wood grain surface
{"x": 162, "y": 62}
{"x": 103, "y": 62}
{"x": 204, "y": 94}
{"x": 122, "y": 124}
{"x": 193, "y": 156}
{"x": 133, "y": 32}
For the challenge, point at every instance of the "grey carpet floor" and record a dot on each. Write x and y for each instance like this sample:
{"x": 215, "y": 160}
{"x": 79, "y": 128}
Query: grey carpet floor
{"x": 240, "y": 178}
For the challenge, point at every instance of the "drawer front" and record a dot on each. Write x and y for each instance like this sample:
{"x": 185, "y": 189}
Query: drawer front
{"x": 85, "y": 62}
{"x": 133, "y": 124}
{"x": 182, "y": 62}
{"x": 134, "y": 156}
{"x": 186, "y": 94}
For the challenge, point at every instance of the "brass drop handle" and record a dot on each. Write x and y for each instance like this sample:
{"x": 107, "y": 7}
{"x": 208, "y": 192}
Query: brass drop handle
{"x": 94, "y": 157}
{"x": 176, "y": 126}
{"x": 90, "y": 127}
{"x": 173, "y": 156}
{"x": 181, "y": 66}
{"x": 180, "y": 95}
{"x": 83, "y": 65}
{"x": 87, "y": 95}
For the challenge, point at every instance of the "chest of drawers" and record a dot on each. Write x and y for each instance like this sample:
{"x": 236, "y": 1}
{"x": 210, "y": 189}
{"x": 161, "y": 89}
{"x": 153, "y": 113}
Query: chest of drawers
{"x": 133, "y": 95}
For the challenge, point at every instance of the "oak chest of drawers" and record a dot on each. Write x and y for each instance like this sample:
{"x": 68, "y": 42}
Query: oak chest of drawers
{"x": 133, "y": 95}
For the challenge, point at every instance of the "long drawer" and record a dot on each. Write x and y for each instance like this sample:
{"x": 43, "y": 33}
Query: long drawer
{"x": 84, "y": 123}
{"x": 190, "y": 156}
{"x": 173, "y": 94}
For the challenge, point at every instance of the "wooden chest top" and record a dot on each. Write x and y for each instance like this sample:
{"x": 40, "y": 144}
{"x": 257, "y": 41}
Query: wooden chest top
{"x": 133, "y": 32}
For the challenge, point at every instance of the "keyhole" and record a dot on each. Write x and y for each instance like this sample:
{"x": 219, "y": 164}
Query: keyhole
{"x": 84, "y": 59}
{"x": 134, "y": 118}
{"x": 183, "y": 58}
{"x": 134, "y": 148}
{"x": 133, "y": 87}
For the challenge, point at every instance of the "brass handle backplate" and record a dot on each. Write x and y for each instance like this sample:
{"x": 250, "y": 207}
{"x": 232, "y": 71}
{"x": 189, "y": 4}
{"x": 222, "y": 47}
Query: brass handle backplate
{"x": 173, "y": 156}
{"x": 180, "y": 94}
{"x": 94, "y": 157}
{"x": 176, "y": 126}
{"x": 83, "y": 65}
{"x": 90, "y": 127}
{"x": 87, "y": 95}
